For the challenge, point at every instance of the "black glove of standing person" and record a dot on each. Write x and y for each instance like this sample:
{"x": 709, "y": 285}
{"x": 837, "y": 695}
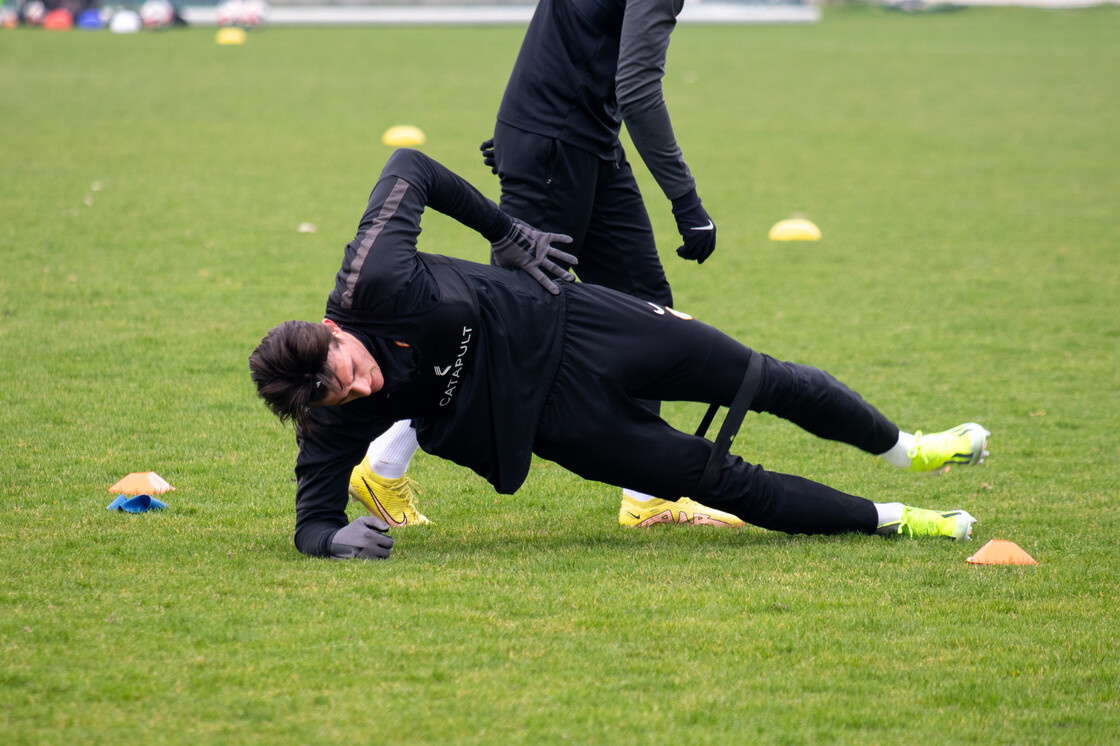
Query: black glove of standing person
{"x": 529, "y": 249}
{"x": 364, "y": 538}
{"x": 487, "y": 149}
{"x": 695, "y": 226}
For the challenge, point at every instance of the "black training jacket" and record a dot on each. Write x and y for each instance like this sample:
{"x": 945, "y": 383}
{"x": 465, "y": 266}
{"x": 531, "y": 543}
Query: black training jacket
{"x": 587, "y": 66}
{"x": 472, "y": 382}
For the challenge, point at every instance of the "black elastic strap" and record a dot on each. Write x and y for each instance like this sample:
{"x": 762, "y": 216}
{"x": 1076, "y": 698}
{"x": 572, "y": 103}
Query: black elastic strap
{"x": 731, "y": 423}
{"x": 707, "y": 421}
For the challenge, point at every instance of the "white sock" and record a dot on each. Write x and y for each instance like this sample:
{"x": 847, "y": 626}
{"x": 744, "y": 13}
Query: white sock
{"x": 636, "y": 496}
{"x": 889, "y": 513}
{"x": 391, "y": 453}
{"x": 898, "y": 454}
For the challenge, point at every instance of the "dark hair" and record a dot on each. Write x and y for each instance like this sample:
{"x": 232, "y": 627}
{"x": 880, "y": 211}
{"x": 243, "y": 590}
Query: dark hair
{"x": 290, "y": 368}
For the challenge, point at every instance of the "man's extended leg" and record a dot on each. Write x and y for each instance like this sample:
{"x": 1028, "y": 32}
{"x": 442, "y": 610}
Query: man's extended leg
{"x": 819, "y": 403}
{"x": 617, "y": 349}
{"x": 617, "y": 441}
{"x": 680, "y": 358}
{"x": 631, "y": 446}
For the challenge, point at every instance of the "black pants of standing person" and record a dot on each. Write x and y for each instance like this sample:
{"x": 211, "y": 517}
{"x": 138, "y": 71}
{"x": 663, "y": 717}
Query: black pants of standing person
{"x": 558, "y": 187}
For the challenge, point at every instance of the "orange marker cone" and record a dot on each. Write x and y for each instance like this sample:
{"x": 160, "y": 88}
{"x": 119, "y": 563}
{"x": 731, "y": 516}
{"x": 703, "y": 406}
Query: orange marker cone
{"x": 142, "y": 483}
{"x": 1000, "y": 552}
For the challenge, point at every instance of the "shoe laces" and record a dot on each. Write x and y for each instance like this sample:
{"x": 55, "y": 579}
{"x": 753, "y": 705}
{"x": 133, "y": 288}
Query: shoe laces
{"x": 913, "y": 518}
{"x": 917, "y": 445}
{"x": 405, "y": 488}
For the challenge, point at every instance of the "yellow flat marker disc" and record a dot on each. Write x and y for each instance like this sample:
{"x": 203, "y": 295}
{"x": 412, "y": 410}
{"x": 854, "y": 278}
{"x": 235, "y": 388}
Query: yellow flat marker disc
{"x": 230, "y": 35}
{"x": 403, "y": 136}
{"x": 795, "y": 229}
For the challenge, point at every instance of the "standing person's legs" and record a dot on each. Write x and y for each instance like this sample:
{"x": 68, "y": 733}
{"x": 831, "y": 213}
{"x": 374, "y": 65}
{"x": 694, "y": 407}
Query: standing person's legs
{"x": 622, "y": 255}
{"x": 621, "y": 249}
{"x": 564, "y": 189}
{"x": 558, "y": 187}
{"x": 546, "y": 183}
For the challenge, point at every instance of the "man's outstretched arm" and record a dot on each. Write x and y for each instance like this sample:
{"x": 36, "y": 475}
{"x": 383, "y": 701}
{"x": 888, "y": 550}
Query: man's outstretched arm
{"x": 329, "y": 449}
{"x": 644, "y": 44}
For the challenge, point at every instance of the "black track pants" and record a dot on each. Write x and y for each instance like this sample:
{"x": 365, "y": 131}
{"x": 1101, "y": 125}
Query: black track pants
{"x": 618, "y": 350}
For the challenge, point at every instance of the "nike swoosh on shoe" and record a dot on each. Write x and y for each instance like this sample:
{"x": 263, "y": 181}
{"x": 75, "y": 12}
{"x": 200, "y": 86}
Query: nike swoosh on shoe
{"x": 403, "y": 520}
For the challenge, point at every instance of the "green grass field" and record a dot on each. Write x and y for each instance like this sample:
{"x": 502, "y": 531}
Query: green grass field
{"x": 963, "y": 169}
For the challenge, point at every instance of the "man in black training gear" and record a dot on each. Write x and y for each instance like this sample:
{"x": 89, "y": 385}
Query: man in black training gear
{"x": 491, "y": 367}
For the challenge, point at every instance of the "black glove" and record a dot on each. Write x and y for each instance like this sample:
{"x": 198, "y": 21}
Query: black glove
{"x": 487, "y": 149}
{"x": 529, "y": 249}
{"x": 696, "y": 228}
{"x": 364, "y": 538}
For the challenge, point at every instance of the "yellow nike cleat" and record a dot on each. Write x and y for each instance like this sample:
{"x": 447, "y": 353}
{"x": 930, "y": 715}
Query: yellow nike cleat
{"x": 952, "y": 524}
{"x": 392, "y": 499}
{"x": 635, "y": 513}
{"x": 937, "y": 452}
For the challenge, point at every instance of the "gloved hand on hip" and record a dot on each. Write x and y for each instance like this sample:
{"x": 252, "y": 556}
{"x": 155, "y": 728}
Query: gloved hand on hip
{"x": 531, "y": 250}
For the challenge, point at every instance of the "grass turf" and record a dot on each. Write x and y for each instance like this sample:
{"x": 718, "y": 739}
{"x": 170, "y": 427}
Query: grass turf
{"x": 962, "y": 169}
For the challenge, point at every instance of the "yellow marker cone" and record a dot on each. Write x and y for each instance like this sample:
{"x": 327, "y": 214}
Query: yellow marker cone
{"x": 403, "y": 136}
{"x": 795, "y": 229}
{"x": 230, "y": 35}
{"x": 1000, "y": 552}
{"x": 142, "y": 483}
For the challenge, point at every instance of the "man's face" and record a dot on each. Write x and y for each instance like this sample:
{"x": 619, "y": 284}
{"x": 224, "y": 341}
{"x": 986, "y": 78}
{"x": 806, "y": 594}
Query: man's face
{"x": 355, "y": 370}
